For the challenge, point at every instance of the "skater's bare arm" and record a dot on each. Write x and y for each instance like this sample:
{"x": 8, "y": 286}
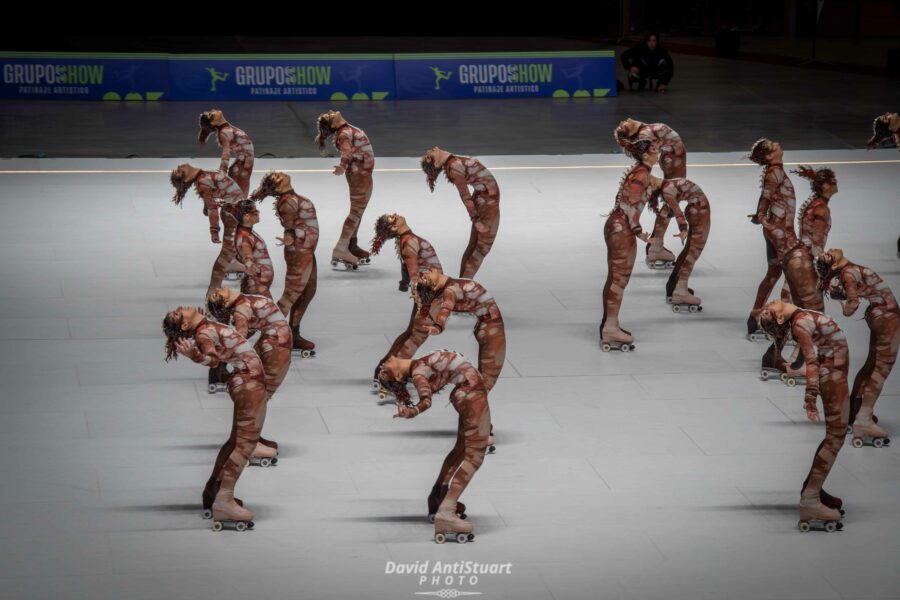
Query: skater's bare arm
{"x": 211, "y": 208}
{"x": 851, "y": 301}
{"x": 802, "y": 331}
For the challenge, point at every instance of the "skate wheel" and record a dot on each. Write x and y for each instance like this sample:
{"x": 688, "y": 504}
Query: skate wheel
{"x": 878, "y": 442}
{"x": 764, "y": 375}
{"x": 218, "y": 526}
{"x": 334, "y": 263}
{"x": 211, "y": 388}
{"x": 769, "y": 337}
{"x": 382, "y": 395}
{"x": 803, "y": 526}
{"x": 606, "y": 347}
{"x": 376, "y": 384}
{"x": 471, "y": 537}
{"x": 492, "y": 449}
{"x": 791, "y": 382}
{"x": 440, "y": 538}
{"x": 830, "y": 526}
{"x": 849, "y": 429}
{"x": 305, "y": 353}
{"x": 264, "y": 462}
{"x": 784, "y": 377}
{"x": 207, "y": 513}
{"x": 240, "y": 526}
{"x": 250, "y": 524}
{"x": 676, "y": 308}
{"x": 626, "y": 347}
{"x": 463, "y": 516}
{"x": 857, "y": 443}
{"x": 887, "y": 441}
{"x": 699, "y": 308}
{"x": 668, "y": 299}
{"x": 431, "y": 518}
{"x": 462, "y": 538}
{"x": 694, "y": 308}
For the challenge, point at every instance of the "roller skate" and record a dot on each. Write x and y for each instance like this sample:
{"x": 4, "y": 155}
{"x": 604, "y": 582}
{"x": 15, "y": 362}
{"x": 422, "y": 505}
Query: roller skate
{"x": 868, "y": 429}
{"x": 813, "y": 511}
{"x": 234, "y": 271}
{"x": 617, "y": 339}
{"x": 659, "y": 259}
{"x": 771, "y": 366}
{"x": 669, "y": 294}
{"x": 361, "y": 255}
{"x": 209, "y": 496}
{"x": 218, "y": 379}
{"x": 685, "y": 302}
{"x": 448, "y": 526}
{"x": 831, "y": 501}
{"x": 754, "y": 333}
{"x": 263, "y": 456}
{"x": 231, "y": 515}
{"x": 794, "y": 373}
{"x": 345, "y": 259}
{"x": 434, "y": 502}
{"x": 300, "y": 345}
{"x": 270, "y": 443}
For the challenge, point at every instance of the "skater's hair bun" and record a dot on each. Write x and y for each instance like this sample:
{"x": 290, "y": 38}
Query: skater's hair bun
{"x": 760, "y": 149}
{"x": 424, "y": 293}
{"x": 816, "y": 177}
{"x": 181, "y": 186}
{"x": 622, "y": 137}
{"x": 217, "y": 308}
{"x": 325, "y": 130}
{"x": 266, "y": 187}
{"x": 768, "y": 323}
{"x": 881, "y": 127}
{"x": 383, "y": 232}
{"x": 241, "y": 209}
{"x": 172, "y": 330}
{"x": 431, "y": 171}
{"x": 636, "y": 150}
{"x": 206, "y": 127}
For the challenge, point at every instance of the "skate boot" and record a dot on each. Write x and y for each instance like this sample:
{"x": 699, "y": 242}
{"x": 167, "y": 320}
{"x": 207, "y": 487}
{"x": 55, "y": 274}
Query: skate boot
{"x": 616, "y": 339}
{"x": 345, "y": 259}
{"x": 812, "y": 511}
{"x": 448, "y": 526}
{"x": 865, "y": 429}
{"x": 231, "y": 515}
{"x": 218, "y": 379}
{"x": 669, "y": 294}
{"x": 831, "y": 501}
{"x": 263, "y": 456}
{"x": 754, "y": 333}
{"x": 362, "y": 256}
{"x": 770, "y": 368}
{"x": 794, "y": 373}
{"x": 300, "y": 345}
{"x": 434, "y": 502}
{"x": 209, "y": 496}
{"x": 685, "y": 302}
{"x": 659, "y": 258}
{"x": 270, "y": 443}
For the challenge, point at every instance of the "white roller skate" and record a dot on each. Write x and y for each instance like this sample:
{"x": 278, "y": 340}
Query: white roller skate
{"x": 230, "y": 515}
{"x": 791, "y": 376}
{"x": 813, "y": 512}
{"x": 685, "y": 302}
{"x": 864, "y": 429}
{"x": 263, "y": 456}
{"x": 616, "y": 339}
{"x": 343, "y": 260}
{"x": 659, "y": 259}
{"x": 448, "y": 526}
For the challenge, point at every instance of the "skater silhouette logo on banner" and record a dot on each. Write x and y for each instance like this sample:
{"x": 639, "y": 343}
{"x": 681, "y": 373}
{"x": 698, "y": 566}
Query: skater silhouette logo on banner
{"x": 215, "y": 77}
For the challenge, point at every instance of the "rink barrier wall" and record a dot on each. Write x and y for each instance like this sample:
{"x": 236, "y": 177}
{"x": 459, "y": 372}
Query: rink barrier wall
{"x": 336, "y": 77}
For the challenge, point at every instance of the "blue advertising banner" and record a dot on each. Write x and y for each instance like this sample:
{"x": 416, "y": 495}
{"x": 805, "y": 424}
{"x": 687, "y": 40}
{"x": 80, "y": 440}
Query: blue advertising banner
{"x": 506, "y": 75}
{"x": 277, "y": 77}
{"x": 41, "y": 75}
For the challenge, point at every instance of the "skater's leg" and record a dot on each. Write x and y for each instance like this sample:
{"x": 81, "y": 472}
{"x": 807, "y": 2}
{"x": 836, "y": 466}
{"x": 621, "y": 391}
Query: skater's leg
{"x": 885, "y": 326}
{"x": 404, "y": 277}
{"x": 360, "y": 184}
{"x": 491, "y": 337}
{"x": 298, "y": 310}
{"x": 227, "y": 252}
{"x": 768, "y": 282}
{"x": 483, "y": 242}
{"x": 656, "y": 250}
{"x": 467, "y": 253}
{"x": 835, "y": 401}
{"x": 801, "y": 277}
{"x": 298, "y": 268}
{"x": 240, "y": 172}
{"x": 621, "y": 251}
{"x": 699, "y": 222}
{"x": 401, "y": 340}
{"x": 476, "y": 423}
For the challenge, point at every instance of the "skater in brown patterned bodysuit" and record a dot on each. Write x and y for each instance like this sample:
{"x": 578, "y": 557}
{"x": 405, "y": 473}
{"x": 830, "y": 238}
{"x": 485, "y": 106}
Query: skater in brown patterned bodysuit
{"x": 825, "y": 347}
{"x": 233, "y": 141}
{"x": 694, "y": 226}
{"x": 883, "y": 127}
{"x": 357, "y": 164}
{"x": 216, "y": 189}
{"x": 438, "y": 296}
{"x": 848, "y": 283}
{"x": 416, "y": 256}
{"x": 429, "y": 375}
{"x": 301, "y": 235}
{"x": 814, "y": 216}
{"x": 252, "y": 252}
{"x": 622, "y": 229}
{"x": 482, "y": 204}
{"x": 249, "y": 314}
{"x": 190, "y": 334}
{"x": 775, "y": 212}
{"x": 672, "y": 161}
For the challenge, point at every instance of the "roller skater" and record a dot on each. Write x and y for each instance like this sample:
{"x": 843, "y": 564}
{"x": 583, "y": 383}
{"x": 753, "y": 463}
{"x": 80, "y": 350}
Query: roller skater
{"x": 357, "y": 164}
{"x": 884, "y": 127}
{"x": 233, "y": 142}
{"x": 482, "y": 204}
{"x": 250, "y": 314}
{"x": 301, "y": 236}
{"x": 673, "y": 162}
{"x": 429, "y": 375}
{"x": 824, "y": 345}
{"x": 190, "y": 334}
{"x": 848, "y": 283}
{"x": 693, "y": 227}
{"x": 252, "y": 252}
{"x": 216, "y": 189}
{"x": 622, "y": 230}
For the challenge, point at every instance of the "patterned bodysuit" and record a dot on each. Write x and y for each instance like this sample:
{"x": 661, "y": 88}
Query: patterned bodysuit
{"x": 673, "y": 162}
{"x": 695, "y": 220}
{"x": 482, "y": 204}
{"x": 219, "y": 190}
{"x": 234, "y": 141}
{"x": 358, "y": 161}
{"x": 258, "y": 313}
{"x": 298, "y": 216}
{"x": 253, "y": 253}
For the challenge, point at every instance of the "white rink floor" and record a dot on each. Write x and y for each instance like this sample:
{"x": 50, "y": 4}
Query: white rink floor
{"x": 669, "y": 473}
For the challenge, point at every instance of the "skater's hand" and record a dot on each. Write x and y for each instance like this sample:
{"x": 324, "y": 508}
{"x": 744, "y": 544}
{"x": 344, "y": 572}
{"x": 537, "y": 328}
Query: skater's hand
{"x": 644, "y": 236}
{"x": 434, "y": 330}
{"x": 214, "y": 236}
{"x": 406, "y": 411}
{"x": 682, "y": 235}
{"x": 338, "y": 170}
{"x": 812, "y": 411}
{"x": 186, "y": 347}
{"x": 287, "y": 240}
